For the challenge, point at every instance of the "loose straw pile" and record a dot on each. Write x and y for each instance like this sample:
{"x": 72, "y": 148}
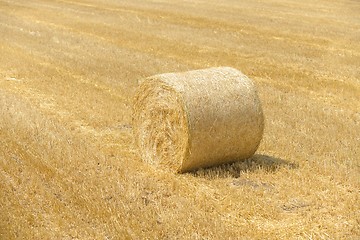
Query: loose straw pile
{"x": 194, "y": 119}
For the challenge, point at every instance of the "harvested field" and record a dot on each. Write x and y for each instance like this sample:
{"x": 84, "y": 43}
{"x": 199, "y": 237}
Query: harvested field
{"x": 69, "y": 168}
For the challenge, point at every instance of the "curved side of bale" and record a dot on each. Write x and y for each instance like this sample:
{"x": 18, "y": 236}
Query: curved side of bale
{"x": 194, "y": 119}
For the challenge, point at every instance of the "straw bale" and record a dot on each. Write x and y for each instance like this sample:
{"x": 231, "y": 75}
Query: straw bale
{"x": 184, "y": 121}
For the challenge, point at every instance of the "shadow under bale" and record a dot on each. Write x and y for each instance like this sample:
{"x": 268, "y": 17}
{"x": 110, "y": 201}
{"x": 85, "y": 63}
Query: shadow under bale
{"x": 234, "y": 170}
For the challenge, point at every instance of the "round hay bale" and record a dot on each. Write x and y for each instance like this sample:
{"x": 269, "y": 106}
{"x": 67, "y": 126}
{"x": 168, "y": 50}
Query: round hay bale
{"x": 194, "y": 119}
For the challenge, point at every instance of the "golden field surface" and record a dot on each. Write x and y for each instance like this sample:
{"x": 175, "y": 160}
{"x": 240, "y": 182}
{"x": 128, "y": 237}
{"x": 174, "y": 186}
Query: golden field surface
{"x": 68, "y": 165}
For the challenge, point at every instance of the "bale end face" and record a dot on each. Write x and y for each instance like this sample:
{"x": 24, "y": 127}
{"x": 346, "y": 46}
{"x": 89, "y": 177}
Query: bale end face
{"x": 160, "y": 125}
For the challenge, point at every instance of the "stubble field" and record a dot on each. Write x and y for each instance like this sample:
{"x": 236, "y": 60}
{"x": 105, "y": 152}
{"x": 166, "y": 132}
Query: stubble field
{"x": 68, "y": 165}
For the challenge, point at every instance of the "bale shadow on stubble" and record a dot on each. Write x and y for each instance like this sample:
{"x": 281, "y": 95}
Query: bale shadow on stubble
{"x": 234, "y": 170}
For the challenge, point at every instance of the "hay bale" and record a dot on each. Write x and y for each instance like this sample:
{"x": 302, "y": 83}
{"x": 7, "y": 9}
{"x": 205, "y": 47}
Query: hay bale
{"x": 194, "y": 119}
